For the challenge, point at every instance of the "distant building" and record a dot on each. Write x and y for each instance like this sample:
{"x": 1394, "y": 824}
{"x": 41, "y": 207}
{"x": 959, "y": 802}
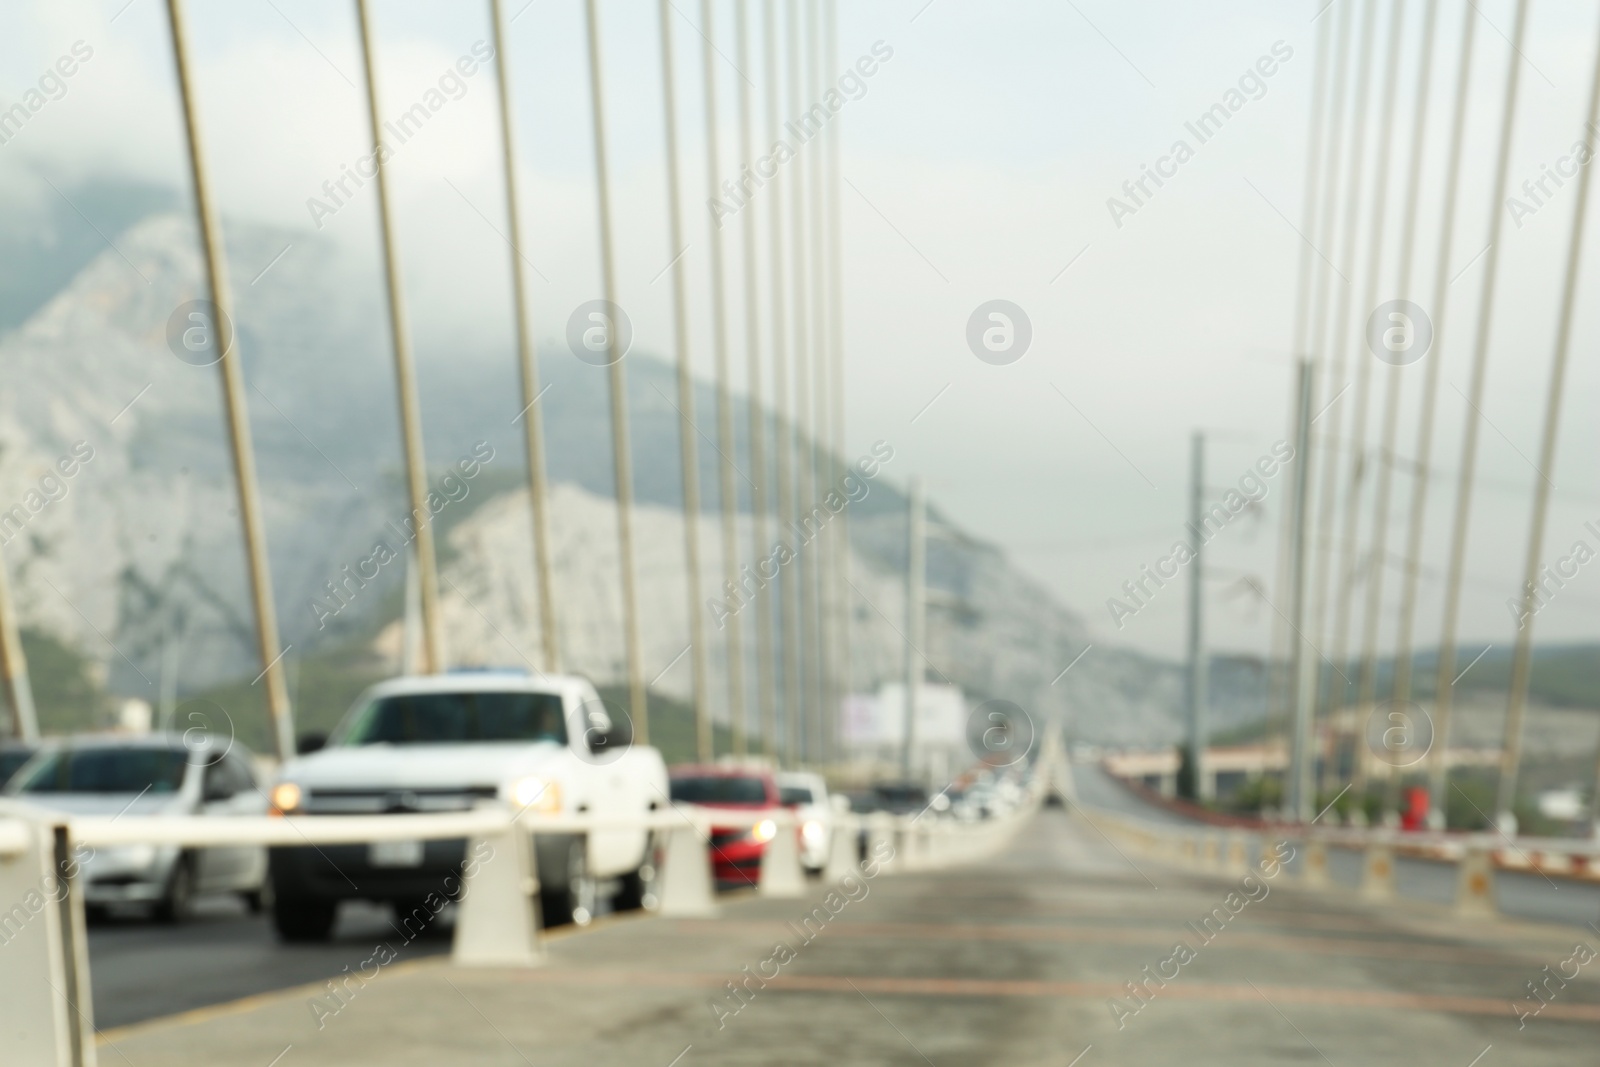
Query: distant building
{"x": 873, "y": 726}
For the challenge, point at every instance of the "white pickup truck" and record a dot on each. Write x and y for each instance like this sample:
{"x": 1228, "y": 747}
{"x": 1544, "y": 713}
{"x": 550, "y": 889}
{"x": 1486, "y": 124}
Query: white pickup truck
{"x": 447, "y": 743}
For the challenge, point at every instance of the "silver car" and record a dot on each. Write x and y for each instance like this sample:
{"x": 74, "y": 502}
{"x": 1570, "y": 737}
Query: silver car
{"x": 129, "y": 777}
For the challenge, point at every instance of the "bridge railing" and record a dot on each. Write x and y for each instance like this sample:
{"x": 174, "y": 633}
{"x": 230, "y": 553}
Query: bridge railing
{"x": 1476, "y": 856}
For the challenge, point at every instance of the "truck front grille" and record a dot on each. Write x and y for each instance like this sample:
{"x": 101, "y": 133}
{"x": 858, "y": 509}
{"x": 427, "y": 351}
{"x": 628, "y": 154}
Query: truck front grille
{"x": 395, "y": 801}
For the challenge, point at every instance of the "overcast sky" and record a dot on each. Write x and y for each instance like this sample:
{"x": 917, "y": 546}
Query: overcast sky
{"x": 978, "y": 163}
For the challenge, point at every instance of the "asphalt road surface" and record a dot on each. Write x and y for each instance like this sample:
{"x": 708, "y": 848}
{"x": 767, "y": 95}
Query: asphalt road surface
{"x": 1025, "y": 959}
{"x": 142, "y": 969}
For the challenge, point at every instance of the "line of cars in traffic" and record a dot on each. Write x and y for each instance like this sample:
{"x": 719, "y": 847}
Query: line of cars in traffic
{"x": 441, "y": 743}
{"x": 418, "y": 744}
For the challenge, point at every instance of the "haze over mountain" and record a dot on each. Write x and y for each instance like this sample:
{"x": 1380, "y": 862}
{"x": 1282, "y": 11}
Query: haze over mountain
{"x": 143, "y": 540}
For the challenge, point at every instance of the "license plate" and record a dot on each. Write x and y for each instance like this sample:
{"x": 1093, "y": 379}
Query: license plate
{"x": 395, "y": 853}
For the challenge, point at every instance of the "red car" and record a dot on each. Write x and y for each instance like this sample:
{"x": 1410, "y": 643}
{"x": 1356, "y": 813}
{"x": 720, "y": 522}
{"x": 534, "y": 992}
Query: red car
{"x": 748, "y": 796}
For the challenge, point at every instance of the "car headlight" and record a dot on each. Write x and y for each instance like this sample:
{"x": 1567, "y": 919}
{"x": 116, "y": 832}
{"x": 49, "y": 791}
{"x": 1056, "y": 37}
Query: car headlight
{"x": 286, "y": 798}
{"x": 813, "y": 831}
{"x": 532, "y": 793}
{"x": 765, "y": 830}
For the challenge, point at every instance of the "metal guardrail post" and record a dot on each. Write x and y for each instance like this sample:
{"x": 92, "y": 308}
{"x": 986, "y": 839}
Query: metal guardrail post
{"x": 45, "y": 1010}
{"x": 498, "y": 923}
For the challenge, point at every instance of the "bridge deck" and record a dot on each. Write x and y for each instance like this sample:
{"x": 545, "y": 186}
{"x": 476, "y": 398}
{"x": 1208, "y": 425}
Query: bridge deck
{"x": 1016, "y": 963}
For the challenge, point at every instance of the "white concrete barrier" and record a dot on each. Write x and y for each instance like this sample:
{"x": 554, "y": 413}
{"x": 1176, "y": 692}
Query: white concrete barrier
{"x": 46, "y": 1013}
{"x": 498, "y": 919}
{"x": 1377, "y": 870}
{"x": 686, "y": 880}
{"x": 781, "y": 875}
{"x": 880, "y": 833}
{"x": 843, "y": 849}
{"x": 1314, "y": 869}
{"x": 1475, "y": 897}
{"x": 1237, "y": 863}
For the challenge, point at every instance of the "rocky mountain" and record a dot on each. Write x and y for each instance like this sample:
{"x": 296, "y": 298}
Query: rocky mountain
{"x": 138, "y": 547}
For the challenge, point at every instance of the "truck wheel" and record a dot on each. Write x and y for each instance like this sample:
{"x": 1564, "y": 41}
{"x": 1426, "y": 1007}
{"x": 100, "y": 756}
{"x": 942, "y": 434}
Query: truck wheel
{"x": 571, "y": 899}
{"x": 303, "y": 919}
{"x": 638, "y": 889}
{"x": 257, "y": 901}
{"x": 413, "y": 915}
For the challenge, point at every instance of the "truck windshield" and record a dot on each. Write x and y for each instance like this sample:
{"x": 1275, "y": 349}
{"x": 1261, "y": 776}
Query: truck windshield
{"x": 719, "y": 789}
{"x": 109, "y": 770}
{"x": 435, "y": 718}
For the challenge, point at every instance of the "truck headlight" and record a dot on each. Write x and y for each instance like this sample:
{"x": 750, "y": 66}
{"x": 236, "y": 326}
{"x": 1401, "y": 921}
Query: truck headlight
{"x": 535, "y": 794}
{"x": 765, "y": 830}
{"x": 813, "y": 832}
{"x": 286, "y": 798}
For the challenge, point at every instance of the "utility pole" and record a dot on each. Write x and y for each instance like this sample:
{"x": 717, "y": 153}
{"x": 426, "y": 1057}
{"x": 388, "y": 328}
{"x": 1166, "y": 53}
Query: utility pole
{"x": 1522, "y": 657}
{"x": 405, "y": 374}
{"x": 238, "y": 413}
{"x": 1302, "y": 767}
{"x": 528, "y": 362}
{"x": 14, "y": 668}
{"x": 916, "y": 595}
{"x": 617, "y": 381}
{"x": 1198, "y": 675}
{"x": 688, "y": 452}
{"x": 1277, "y": 678}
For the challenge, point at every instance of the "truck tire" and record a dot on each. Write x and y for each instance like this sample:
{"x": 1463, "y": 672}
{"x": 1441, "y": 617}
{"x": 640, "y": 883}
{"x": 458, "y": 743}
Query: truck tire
{"x": 569, "y": 897}
{"x": 302, "y": 920}
{"x": 638, "y": 888}
{"x": 257, "y": 901}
